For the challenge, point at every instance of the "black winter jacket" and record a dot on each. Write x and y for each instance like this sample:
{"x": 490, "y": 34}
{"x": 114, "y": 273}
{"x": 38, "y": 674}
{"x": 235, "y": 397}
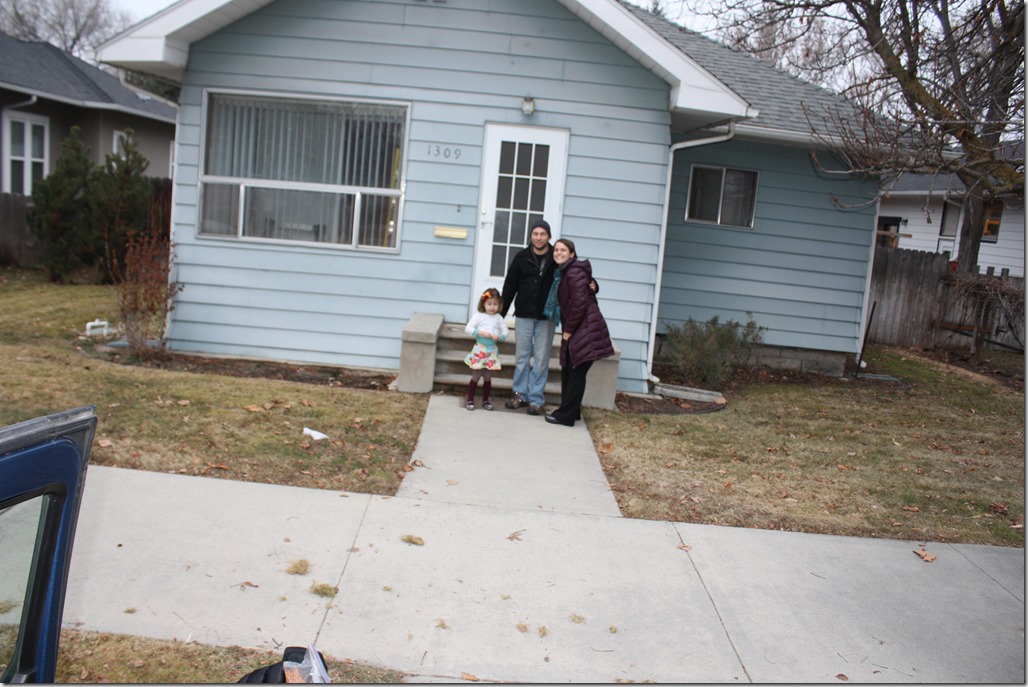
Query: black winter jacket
{"x": 580, "y": 315}
{"x": 526, "y": 287}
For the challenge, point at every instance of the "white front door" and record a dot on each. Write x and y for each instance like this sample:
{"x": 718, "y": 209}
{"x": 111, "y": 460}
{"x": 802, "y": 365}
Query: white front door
{"x": 523, "y": 170}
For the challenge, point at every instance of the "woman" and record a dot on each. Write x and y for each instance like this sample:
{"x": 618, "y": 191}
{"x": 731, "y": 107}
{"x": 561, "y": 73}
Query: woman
{"x": 584, "y": 336}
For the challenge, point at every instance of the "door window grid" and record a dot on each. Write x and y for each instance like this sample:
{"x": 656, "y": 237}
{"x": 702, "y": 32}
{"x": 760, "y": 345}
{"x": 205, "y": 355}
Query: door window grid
{"x": 520, "y": 199}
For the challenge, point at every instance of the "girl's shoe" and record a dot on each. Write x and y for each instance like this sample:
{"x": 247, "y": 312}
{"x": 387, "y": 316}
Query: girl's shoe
{"x": 487, "y": 405}
{"x": 470, "y": 405}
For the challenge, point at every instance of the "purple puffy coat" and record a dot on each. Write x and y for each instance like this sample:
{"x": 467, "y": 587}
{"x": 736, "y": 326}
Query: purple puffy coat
{"x": 580, "y": 315}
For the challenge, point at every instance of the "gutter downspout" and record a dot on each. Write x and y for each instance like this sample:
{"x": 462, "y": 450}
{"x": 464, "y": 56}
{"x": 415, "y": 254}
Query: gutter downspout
{"x": 28, "y": 103}
{"x": 675, "y": 147}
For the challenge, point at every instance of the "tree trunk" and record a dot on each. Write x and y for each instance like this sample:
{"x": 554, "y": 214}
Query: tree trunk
{"x": 971, "y": 230}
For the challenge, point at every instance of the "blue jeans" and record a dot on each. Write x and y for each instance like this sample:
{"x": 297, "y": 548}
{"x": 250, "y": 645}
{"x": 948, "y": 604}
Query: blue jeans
{"x": 533, "y": 342}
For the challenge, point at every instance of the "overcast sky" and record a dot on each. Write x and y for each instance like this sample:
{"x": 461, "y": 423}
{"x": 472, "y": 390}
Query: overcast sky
{"x": 141, "y": 9}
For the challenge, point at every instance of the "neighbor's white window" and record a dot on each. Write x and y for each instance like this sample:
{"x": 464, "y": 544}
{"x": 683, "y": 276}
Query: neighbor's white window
{"x": 26, "y": 151}
{"x": 296, "y": 169}
{"x": 722, "y": 195}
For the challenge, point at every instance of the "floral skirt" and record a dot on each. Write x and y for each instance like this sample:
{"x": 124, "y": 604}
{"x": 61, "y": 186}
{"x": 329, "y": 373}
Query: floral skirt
{"x": 483, "y": 358}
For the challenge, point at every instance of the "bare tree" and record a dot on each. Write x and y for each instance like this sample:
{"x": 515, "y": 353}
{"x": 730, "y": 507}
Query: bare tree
{"x": 77, "y": 26}
{"x": 940, "y": 85}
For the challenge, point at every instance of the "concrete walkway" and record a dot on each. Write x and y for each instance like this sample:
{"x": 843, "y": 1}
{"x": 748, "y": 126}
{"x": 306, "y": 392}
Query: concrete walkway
{"x": 523, "y": 570}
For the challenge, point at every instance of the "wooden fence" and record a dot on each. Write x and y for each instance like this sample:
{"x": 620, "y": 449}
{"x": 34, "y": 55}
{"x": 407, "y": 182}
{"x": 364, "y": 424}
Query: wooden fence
{"x": 915, "y": 302}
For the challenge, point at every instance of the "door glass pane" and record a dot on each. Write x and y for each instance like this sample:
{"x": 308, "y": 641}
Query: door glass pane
{"x": 538, "y": 201}
{"x": 501, "y": 227}
{"x": 521, "y": 187}
{"x": 507, "y": 150}
{"x": 525, "y": 159}
{"x": 504, "y": 192}
{"x": 542, "y": 160}
{"x": 498, "y": 265}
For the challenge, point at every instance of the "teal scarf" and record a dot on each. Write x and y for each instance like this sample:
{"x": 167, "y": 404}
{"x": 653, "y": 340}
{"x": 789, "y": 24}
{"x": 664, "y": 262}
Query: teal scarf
{"x": 552, "y": 308}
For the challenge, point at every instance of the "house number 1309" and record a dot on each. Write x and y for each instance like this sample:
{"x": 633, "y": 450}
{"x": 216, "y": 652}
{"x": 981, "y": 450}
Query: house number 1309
{"x": 443, "y": 152}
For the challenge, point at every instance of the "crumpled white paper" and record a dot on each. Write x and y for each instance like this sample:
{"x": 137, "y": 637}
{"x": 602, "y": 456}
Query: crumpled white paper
{"x": 314, "y": 434}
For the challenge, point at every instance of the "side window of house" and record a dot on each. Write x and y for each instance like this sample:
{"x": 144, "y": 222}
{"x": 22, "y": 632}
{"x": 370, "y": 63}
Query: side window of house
{"x": 993, "y": 214}
{"x": 26, "y": 148}
{"x": 722, "y": 195}
{"x": 119, "y": 143}
{"x": 291, "y": 169}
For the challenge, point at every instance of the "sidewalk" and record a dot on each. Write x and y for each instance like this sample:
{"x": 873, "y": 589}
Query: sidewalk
{"x": 528, "y": 573}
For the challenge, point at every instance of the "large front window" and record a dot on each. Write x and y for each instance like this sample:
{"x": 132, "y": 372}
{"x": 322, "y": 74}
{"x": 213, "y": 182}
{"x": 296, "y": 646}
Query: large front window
{"x": 722, "y": 195}
{"x": 293, "y": 169}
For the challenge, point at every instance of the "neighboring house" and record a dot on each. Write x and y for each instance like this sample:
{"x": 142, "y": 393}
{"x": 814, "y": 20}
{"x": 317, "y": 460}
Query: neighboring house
{"x": 923, "y": 212}
{"x": 344, "y": 165}
{"x": 45, "y": 91}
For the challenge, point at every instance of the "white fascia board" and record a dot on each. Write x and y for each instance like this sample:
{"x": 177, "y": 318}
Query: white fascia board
{"x": 693, "y": 89}
{"x": 160, "y": 43}
{"x": 88, "y": 104}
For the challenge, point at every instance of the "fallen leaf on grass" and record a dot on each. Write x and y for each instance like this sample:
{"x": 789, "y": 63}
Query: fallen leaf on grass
{"x": 183, "y": 402}
{"x": 925, "y": 556}
{"x": 253, "y": 408}
{"x": 219, "y": 466}
{"x": 104, "y": 443}
{"x": 999, "y": 507}
{"x": 912, "y": 509}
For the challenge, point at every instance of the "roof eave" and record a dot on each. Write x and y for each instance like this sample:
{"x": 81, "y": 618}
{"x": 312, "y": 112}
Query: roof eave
{"x": 88, "y": 104}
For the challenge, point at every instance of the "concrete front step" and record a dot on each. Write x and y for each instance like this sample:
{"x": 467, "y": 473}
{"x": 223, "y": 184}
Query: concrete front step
{"x": 433, "y": 352}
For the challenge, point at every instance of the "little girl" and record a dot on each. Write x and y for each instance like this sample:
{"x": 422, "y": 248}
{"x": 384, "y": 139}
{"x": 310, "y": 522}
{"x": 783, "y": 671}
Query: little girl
{"x": 488, "y": 328}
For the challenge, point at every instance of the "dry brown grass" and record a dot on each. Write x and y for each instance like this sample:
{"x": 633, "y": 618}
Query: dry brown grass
{"x": 247, "y": 429}
{"x": 91, "y": 657}
{"x": 940, "y": 458}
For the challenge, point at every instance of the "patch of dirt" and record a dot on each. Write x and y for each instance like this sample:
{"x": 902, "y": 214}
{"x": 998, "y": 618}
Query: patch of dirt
{"x": 290, "y": 372}
{"x": 1001, "y": 368}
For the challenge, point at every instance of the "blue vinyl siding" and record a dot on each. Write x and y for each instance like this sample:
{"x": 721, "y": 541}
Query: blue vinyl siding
{"x": 458, "y": 65}
{"x": 801, "y": 270}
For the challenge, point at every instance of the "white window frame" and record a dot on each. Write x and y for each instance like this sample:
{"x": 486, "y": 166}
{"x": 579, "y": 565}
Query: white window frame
{"x": 117, "y": 148}
{"x": 248, "y": 185}
{"x": 29, "y": 120}
{"x": 721, "y": 198}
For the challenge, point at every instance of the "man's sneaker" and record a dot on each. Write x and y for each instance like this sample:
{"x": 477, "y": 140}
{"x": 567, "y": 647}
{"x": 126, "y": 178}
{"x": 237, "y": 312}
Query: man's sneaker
{"x": 516, "y": 401}
{"x": 535, "y": 410}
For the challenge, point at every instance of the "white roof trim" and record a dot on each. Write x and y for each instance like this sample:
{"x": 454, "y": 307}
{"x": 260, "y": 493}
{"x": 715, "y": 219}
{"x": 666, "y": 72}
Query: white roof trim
{"x": 160, "y": 44}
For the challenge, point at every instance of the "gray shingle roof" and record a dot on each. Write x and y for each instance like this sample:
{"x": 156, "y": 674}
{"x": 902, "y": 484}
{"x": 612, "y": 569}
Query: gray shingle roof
{"x": 40, "y": 68}
{"x": 779, "y": 96}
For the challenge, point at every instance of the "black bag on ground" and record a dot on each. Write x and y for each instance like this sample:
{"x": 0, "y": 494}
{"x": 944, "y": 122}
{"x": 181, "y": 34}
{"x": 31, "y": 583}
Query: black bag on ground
{"x": 276, "y": 671}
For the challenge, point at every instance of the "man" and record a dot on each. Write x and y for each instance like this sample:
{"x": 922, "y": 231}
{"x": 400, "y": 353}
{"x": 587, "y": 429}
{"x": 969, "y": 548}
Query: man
{"x": 526, "y": 287}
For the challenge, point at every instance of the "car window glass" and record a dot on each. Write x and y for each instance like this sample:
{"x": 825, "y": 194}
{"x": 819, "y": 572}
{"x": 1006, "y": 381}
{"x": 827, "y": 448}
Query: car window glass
{"x": 19, "y": 525}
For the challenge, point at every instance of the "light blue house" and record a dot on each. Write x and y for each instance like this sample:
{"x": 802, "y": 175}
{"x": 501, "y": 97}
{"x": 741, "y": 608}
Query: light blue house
{"x": 344, "y": 164}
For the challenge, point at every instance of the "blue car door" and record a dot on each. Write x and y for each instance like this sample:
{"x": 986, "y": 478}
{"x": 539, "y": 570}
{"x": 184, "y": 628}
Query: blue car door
{"x": 42, "y": 473}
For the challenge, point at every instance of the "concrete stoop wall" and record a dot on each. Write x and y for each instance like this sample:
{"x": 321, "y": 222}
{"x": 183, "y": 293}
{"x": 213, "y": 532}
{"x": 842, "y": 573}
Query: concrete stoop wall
{"x": 432, "y": 356}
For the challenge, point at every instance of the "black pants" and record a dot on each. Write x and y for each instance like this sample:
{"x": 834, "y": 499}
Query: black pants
{"x": 572, "y": 391}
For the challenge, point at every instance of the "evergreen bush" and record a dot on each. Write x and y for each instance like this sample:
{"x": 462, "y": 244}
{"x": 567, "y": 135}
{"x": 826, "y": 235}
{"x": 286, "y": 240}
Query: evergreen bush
{"x": 703, "y": 353}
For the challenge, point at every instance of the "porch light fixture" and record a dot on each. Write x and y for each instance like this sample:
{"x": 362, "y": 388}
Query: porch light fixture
{"x": 527, "y": 105}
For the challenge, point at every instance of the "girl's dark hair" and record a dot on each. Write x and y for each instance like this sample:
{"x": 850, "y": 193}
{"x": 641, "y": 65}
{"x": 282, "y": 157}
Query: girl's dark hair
{"x": 486, "y": 295}
{"x": 570, "y": 244}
